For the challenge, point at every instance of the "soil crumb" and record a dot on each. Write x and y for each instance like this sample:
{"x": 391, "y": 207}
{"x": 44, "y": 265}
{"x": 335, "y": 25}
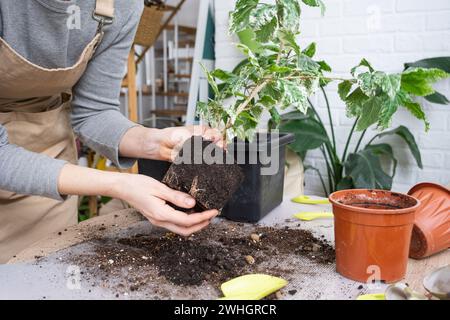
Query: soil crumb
{"x": 214, "y": 255}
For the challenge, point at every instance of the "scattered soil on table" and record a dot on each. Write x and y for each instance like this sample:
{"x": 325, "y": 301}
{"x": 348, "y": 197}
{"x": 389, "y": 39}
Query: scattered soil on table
{"x": 214, "y": 255}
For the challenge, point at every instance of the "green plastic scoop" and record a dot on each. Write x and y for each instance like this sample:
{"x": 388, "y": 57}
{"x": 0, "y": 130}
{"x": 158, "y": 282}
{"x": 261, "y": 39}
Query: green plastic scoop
{"x": 251, "y": 287}
{"x": 308, "y": 216}
{"x": 308, "y": 200}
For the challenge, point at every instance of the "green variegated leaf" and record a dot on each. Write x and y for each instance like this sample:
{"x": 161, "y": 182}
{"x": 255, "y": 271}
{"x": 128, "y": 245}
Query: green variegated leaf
{"x": 418, "y": 81}
{"x": 252, "y": 59}
{"x": 363, "y": 63}
{"x": 264, "y": 22}
{"x": 289, "y": 13}
{"x": 370, "y": 111}
{"x": 414, "y": 108}
{"x": 288, "y": 39}
{"x": 354, "y": 102}
{"x": 310, "y": 50}
{"x": 293, "y": 94}
{"x": 211, "y": 80}
{"x": 324, "y": 66}
{"x": 239, "y": 18}
{"x": 388, "y": 108}
{"x": 306, "y": 64}
{"x": 222, "y": 75}
{"x": 344, "y": 89}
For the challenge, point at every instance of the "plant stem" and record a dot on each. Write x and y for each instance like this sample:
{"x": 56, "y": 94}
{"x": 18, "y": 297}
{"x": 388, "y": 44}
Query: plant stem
{"x": 244, "y": 105}
{"x": 321, "y": 180}
{"x": 371, "y": 140}
{"x": 330, "y": 174}
{"x": 360, "y": 140}
{"x": 350, "y": 135}
{"x": 329, "y": 117}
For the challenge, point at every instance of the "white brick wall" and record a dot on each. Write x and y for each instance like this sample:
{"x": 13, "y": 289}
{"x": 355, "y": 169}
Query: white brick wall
{"x": 388, "y": 33}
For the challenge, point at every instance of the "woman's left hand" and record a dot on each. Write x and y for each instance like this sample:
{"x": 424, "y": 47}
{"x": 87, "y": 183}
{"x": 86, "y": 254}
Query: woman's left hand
{"x": 163, "y": 144}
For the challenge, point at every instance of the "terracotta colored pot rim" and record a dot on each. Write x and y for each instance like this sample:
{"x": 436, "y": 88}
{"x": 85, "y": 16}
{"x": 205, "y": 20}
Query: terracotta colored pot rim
{"x": 334, "y": 199}
{"x": 427, "y": 184}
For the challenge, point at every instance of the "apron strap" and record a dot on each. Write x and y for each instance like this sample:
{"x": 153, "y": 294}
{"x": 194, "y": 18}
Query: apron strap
{"x": 103, "y": 13}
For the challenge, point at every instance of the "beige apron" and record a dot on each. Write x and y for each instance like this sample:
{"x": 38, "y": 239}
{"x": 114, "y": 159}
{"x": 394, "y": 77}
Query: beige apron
{"x": 35, "y": 110}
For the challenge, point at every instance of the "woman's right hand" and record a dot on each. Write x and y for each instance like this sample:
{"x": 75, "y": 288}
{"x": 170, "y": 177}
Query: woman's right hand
{"x": 150, "y": 197}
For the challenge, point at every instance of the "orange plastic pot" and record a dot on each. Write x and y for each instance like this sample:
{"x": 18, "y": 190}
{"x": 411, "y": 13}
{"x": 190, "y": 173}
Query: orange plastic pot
{"x": 431, "y": 231}
{"x": 372, "y": 233}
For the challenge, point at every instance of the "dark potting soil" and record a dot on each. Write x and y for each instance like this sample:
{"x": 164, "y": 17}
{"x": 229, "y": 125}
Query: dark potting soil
{"x": 377, "y": 199}
{"x": 214, "y": 255}
{"x": 211, "y": 184}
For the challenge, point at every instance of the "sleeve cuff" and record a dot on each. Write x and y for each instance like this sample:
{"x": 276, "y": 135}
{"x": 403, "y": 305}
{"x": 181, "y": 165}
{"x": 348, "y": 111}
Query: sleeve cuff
{"x": 106, "y": 138}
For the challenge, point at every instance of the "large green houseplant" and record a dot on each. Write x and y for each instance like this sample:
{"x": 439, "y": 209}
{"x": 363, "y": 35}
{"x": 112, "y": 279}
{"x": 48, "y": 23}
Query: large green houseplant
{"x": 278, "y": 74}
{"x": 363, "y": 167}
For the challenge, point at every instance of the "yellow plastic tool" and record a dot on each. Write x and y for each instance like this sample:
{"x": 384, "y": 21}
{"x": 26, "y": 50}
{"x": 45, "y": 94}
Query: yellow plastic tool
{"x": 251, "y": 287}
{"x": 308, "y": 216}
{"x": 308, "y": 200}
{"x": 372, "y": 296}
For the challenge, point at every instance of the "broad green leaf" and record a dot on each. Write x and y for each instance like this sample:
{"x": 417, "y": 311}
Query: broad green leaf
{"x": 442, "y": 63}
{"x": 247, "y": 37}
{"x": 249, "y": 53}
{"x": 279, "y": 69}
{"x": 239, "y": 18}
{"x": 355, "y": 101}
{"x": 414, "y": 108}
{"x": 364, "y": 168}
{"x": 438, "y": 98}
{"x": 296, "y": 115}
{"x": 267, "y": 101}
{"x": 418, "y": 81}
{"x": 324, "y": 66}
{"x": 369, "y": 113}
{"x": 275, "y": 117}
{"x": 308, "y": 132}
{"x": 384, "y": 149}
{"x": 222, "y": 75}
{"x": 344, "y": 89}
{"x": 408, "y": 137}
{"x": 310, "y": 50}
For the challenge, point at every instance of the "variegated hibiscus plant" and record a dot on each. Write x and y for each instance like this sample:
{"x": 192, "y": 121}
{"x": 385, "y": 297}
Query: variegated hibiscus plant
{"x": 279, "y": 76}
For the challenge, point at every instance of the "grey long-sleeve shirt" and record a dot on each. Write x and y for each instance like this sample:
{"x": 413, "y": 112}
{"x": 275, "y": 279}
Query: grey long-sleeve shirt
{"x": 38, "y": 30}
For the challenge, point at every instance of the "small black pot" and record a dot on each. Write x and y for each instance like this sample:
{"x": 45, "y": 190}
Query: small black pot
{"x": 258, "y": 194}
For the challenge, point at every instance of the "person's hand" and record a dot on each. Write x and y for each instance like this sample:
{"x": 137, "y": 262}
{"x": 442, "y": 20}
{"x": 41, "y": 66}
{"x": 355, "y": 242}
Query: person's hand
{"x": 164, "y": 144}
{"x": 150, "y": 198}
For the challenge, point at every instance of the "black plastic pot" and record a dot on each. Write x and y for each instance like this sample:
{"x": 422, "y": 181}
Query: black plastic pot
{"x": 259, "y": 194}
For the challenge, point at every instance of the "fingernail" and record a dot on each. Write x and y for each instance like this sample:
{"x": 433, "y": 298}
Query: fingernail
{"x": 189, "y": 201}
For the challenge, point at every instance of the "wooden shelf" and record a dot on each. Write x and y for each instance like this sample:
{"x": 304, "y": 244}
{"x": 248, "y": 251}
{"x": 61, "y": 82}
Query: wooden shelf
{"x": 182, "y": 76}
{"x": 169, "y": 112}
{"x": 184, "y": 29}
